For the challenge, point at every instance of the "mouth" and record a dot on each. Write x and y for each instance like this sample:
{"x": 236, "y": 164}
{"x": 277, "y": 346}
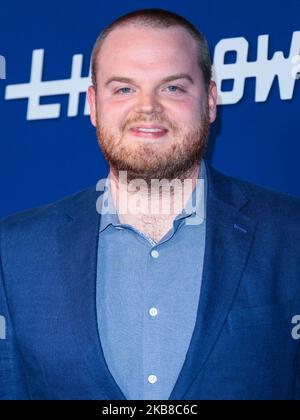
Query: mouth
{"x": 148, "y": 131}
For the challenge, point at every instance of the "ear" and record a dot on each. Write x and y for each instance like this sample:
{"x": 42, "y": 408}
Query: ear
{"x": 212, "y": 101}
{"x": 92, "y": 103}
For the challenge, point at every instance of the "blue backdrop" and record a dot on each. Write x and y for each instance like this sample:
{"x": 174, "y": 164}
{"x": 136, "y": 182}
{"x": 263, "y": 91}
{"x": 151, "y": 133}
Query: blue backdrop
{"x": 48, "y": 147}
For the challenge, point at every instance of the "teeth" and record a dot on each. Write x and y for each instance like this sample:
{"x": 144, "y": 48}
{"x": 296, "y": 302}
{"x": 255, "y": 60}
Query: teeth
{"x": 150, "y": 130}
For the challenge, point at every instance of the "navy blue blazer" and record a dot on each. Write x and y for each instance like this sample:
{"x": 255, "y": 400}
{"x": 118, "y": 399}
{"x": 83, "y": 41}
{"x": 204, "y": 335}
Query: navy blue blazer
{"x": 242, "y": 345}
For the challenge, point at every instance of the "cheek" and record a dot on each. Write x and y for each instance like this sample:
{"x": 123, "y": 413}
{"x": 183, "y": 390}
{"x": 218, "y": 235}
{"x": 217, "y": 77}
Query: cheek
{"x": 115, "y": 108}
{"x": 109, "y": 113}
{"x": 189, "y": 105}
{"x": 186, "y": 113}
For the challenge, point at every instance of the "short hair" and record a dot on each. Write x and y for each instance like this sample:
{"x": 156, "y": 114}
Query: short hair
{"x": 157, "y": 18}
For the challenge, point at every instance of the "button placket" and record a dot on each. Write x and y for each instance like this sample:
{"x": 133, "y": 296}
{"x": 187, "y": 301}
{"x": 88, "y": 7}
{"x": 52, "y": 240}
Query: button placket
{"x": 152, "y": 315}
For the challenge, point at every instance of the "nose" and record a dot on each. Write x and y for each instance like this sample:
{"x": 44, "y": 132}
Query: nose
{"x": 148, "y": 103}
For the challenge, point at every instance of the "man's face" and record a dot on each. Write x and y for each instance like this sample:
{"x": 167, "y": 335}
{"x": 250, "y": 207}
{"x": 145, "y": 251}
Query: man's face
{"x": 150, "y": 109}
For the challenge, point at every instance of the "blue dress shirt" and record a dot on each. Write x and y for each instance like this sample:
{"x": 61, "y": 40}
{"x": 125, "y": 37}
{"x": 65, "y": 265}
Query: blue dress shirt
{"x": 147, "y": 298}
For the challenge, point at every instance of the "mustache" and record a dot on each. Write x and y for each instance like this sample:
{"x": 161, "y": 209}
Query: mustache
{"x": 138, "y": 120}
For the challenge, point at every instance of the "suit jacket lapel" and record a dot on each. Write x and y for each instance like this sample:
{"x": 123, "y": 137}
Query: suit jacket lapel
{"x": 78, "y": 242}
{"x": 229, "y": 236}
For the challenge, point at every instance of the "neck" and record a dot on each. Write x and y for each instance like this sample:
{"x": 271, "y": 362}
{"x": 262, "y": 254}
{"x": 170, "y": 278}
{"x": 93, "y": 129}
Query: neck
{"x": 162, "y": 201}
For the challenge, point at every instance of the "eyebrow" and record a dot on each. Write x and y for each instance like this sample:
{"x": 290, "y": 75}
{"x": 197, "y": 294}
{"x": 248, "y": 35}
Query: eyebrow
{"x": 164, "y": 80}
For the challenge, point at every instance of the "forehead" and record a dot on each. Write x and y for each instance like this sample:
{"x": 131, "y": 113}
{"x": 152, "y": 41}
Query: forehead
{"x": 147, "y": 50}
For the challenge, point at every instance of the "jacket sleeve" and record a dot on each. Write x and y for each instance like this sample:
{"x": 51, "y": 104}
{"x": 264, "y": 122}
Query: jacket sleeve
{"x": 12, "y": 385}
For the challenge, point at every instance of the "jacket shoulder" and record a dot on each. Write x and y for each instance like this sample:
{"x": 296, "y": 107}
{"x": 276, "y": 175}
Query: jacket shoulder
{"x": 261, "y": 202}
{"x": 273, "y": 204}
{"x": 44, "y": 214}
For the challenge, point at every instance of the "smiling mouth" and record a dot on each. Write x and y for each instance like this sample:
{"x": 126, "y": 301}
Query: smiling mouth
{"x": 149, "y": 132}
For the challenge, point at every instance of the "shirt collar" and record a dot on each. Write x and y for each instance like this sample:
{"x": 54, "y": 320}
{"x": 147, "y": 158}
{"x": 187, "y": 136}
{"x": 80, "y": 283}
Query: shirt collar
{"x": 194, "y": 211}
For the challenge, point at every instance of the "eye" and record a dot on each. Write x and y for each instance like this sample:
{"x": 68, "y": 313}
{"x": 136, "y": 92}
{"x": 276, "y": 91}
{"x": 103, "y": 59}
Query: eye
{"x": 175, "y": 89}
{"x": 123, "y": 90}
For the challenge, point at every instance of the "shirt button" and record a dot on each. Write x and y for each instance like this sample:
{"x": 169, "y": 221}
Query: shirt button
{"x": 154, "y": 253}
{"x": 153, "y": 311}
{"x": 152, "y": 379}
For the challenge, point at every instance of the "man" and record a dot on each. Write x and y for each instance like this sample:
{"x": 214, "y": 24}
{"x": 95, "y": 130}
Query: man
{"x": 192, "y": 303}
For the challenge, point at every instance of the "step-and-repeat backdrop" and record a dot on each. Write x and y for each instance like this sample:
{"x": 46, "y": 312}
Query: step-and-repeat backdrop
{"x": 48, "y": 147}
